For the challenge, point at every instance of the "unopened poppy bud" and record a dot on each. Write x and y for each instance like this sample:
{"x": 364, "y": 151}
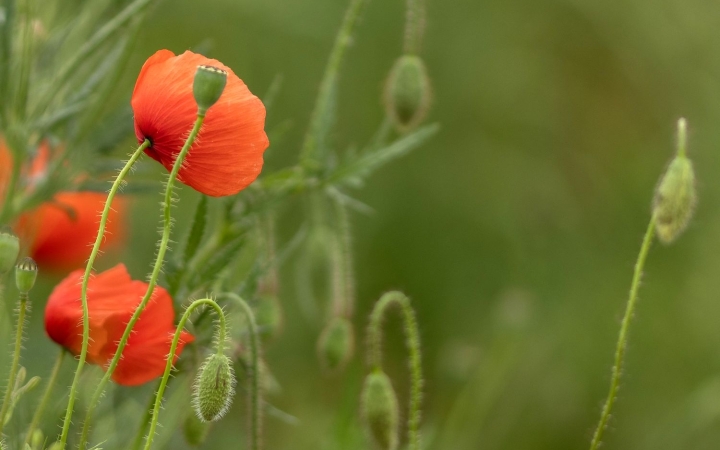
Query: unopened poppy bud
{"x": 336, "y": 344}
{"x": 9, "y": 249}
{"x": 25, "y": 275}
{"x": 208, "y": 86}
{"x": 675, "y": 196}
{"x": 407, "y": 92}
{"x": 380, "y": 410}
{"x": 38, "y": 438}
{"x": 214, "y": 388}
{"x": 195, "y": 430}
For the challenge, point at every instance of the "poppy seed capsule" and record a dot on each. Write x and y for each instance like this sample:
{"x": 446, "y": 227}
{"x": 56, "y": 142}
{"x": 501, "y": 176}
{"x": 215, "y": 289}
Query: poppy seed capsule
{"x": 208, "y": 86}
{"x": 380, "y": 410}
{"x": 407, "y": 92}
{"x": 9, "y": 249}
{"x": 336, "y": 344}
{"x": 214, "y": 388}
{"x": 675, "y": 199}
{"x": 25, "y": 275}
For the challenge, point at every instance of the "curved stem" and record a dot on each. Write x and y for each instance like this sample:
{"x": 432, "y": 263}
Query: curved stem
{"x": 623, "y": 336}
{"x": 86, "y": 277}
{"x": 145, "y": 421}
{"x": 162, "y": 248}
{"x": 412, "y": 338}
{"x": 15, "y": 360}
{"x": 414, "y": 26}
{"x": 255, "y": 413}
{"x": 46, "y": 397}
{"x": 173, "y": 348}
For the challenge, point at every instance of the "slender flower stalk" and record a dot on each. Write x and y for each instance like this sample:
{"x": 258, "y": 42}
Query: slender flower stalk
{"x": 168, "y": 368}
{"x": 162, "y": 248}
{"x": 88, "y": 269}
{"x": 412, "y": 337}
{"x": 46, "y": 397}
{"x": 22, "y": 310}
{"x": 414, "y": 26}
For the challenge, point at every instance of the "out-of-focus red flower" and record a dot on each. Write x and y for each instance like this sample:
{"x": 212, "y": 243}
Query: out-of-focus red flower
{"x": 112, "y": 299}
{"x": 228, "y": 154}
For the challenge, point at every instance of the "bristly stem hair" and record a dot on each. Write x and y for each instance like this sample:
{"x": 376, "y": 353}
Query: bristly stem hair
{"x": 414, "y": 26}
{"x": 623, "y": 336}
{"x": 22, "y": 309}
{"x": 412, "y": 338}
{"x": 45, "y": 397}
{"x": 162, "y": 248}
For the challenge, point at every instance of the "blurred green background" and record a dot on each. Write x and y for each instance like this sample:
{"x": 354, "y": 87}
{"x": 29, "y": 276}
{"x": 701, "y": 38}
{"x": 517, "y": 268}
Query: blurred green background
{"x": 514, "y": 230}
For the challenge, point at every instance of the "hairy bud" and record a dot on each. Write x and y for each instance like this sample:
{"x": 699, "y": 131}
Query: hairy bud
{"x": 195, "y": 430}
{"x": 336, "y": 344}
{"x": 25, "y": 275}
{"x": 9, "y": 249}
{"x": 214, "y": 388}
{"x": 407, "y": 92}
{"x": 208, "y": 86}
{"x": 380, "y": 410}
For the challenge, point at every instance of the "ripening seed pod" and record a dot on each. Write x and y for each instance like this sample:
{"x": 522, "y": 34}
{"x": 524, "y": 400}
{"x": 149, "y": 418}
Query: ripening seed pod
{"x": 214, "y": 388}
{"x": 9, "y": 249}
{"x": 195, "y": 430}
{"x": 407, "y": 92}
{"x": 336, "y": 344}
{"x": 675, "y": 195}
{"x": 208, "y": 86}
{"x": 25, "y": 275}
{"x": 380, "y": 410}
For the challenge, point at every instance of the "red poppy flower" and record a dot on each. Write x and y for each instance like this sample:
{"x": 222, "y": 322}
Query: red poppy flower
{"x": 228, "y": 154}
{"x": 112, "y": 299}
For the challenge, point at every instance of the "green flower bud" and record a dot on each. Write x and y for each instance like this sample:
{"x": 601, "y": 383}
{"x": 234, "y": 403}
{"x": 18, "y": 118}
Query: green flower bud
{"x": 9, "y": 249}
{"x": 195, "y": 430}
{"x": 407, "y": 92}
{"x": 675, "y": 196}
{"x": 37, "y": 440}
{"x": 336, "y": 344}
{"x": 25, "y": 275}
{"x": 56, "y": 446}
{"x": 380, "y": 410}
{"x": 214, "y": 388}
{"x": 208, "y": 86}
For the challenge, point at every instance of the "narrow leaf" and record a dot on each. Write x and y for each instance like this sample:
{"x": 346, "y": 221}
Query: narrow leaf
{"x": 197, "y": 230}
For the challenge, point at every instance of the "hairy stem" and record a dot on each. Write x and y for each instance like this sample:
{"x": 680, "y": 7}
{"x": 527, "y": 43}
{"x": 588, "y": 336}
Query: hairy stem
{"x": 623, "y": 336}
{"x": 171, "y": 357}
{"x": 145, "y": 421}
{"x": 414, "y": 26}
{"x": 86, "y": 277}
{"x": 16, "y": 358}
{"x": 45, "y": 397}
{"x": 162, "y": 248}
{"x": 412, "y": 338}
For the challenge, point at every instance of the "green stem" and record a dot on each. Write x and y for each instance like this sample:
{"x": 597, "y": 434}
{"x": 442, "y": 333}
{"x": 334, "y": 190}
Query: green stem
{"x": 164, "y": 240}
{"x": 45, "y": 398}
{"x": 309, "y": 153}
{"x": 623, "y": 336}
{"x": 414, "y": 25}
{"x": 255, "y": 413}
{"x": 343, "y": 274}
{"x": 171, "y": 355}
{"x": 137, "y": 443}
{"x": 15, "y": 360}
{"x": 86, "y": 277}
{"x": 412, "y": 338}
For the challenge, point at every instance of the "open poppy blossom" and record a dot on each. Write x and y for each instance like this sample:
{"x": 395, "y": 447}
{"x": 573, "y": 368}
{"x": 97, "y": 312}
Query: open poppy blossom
{"x": 228, "y": 154}
{"x": 112, "y": 299}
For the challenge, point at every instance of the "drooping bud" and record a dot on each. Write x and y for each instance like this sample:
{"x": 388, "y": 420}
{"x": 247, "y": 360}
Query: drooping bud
{"x": 380, "y": 410}
{"x": 208, "y": 86}
{"x": 407, "y": 92}
{"x": 195, "y": 430}
{"x": 675, "y": 196}
{"x": 25, "y": 275}
{"x": 214, "y": 388}
{"x": 336, "y": 344}
{"x": 9, "y": 249}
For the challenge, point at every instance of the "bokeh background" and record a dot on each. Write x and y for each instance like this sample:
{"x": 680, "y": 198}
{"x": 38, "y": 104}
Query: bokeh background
{"x": 514, "y": 230}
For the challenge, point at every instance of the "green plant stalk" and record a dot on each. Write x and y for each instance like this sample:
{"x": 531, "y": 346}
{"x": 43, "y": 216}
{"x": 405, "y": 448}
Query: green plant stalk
{"x": 45, "y": 398}
{"x": 171, "y": 356}
{"x": 308, "y": 154}
{"x": 255, "y": 412}
{"x": 164, "y": 240}
{"x": 86, "y": 277}
{"x": 623, "y": 336}
{"x": 412, "y": 338}
{"x": 414, "y": 24}
{"x": 16, "y": 358}
{"x": 145, "y": 421}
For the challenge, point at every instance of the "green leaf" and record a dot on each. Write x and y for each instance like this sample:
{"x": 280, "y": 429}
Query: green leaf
{"x": 197, "y": 230}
